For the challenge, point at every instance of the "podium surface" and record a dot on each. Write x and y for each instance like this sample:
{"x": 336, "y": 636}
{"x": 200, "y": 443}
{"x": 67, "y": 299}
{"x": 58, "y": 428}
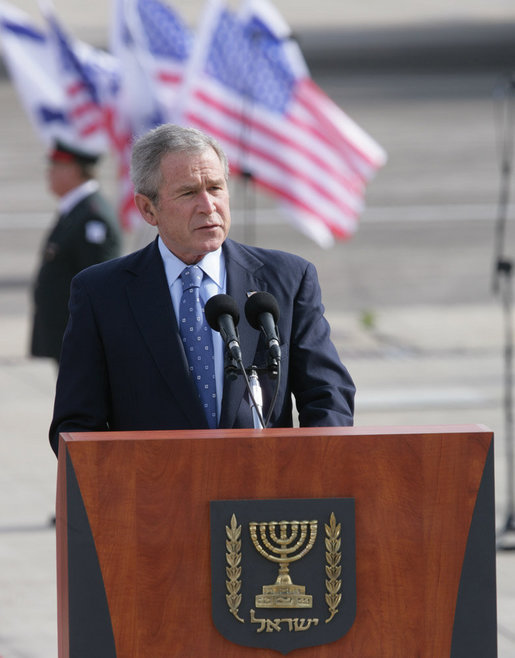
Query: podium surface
{"x": 134, "y": 545}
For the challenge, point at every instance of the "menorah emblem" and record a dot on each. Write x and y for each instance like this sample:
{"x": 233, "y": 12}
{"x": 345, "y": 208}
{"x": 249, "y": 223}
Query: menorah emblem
{"x": 283, "y": 542}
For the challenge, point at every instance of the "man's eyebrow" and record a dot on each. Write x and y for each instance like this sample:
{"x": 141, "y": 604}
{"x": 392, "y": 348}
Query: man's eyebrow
{"x": 191, "y": 187}
{"x": 215, "y": 181}
{"x": 187, "y": 187}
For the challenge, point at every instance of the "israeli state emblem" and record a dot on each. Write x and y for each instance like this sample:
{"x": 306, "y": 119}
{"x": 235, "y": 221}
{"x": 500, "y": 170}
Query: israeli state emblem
{"x": 283, "y": 572}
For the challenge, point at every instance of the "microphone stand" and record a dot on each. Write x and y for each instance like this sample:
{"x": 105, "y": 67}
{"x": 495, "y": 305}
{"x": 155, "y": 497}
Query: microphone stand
{"x": 233, "y": 369}
{"x": 503, "y": 284}
{"x": 257, "y": 399}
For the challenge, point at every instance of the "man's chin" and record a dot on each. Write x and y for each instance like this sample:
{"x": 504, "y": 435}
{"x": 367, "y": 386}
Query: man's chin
{"x": 201, "y": 250}
{"x": 210, "y": 237}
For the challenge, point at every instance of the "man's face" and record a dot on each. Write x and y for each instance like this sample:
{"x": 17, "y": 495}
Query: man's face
{"x": 63, "y": 177}
{"x": 192, "y": 214}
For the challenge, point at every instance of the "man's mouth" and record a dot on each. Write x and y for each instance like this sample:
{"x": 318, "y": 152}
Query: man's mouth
{"x": 208, "y": 227}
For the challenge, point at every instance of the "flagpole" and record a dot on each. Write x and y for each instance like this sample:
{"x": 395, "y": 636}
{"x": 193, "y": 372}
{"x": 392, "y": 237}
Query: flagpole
{"x": 249, "y": 208}
{"x": 503, "y": 284}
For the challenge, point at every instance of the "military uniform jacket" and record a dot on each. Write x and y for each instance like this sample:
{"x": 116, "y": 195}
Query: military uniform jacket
{"x": 86, "y": 235}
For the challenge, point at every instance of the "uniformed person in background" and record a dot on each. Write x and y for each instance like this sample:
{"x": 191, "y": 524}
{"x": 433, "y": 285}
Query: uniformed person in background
{"x": 86, "y": 232}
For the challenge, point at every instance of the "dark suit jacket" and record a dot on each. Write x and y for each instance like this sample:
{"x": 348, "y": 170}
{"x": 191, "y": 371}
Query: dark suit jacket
{"x": 123, "y": 366}
{"x": 66, "y": 252}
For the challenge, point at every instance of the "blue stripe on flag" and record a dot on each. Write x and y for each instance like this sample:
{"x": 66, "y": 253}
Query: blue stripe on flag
{"x": 23, "y": 31}
{"x": 50, "y": 115}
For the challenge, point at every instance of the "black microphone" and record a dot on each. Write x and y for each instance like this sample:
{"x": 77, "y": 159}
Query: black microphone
{"x": 262, "y": 313}
{"x": 222, "y": 315}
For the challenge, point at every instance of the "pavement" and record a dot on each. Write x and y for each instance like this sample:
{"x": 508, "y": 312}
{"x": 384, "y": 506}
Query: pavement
{"x": 408, "y": 372}
{"x": 422, "y": 363}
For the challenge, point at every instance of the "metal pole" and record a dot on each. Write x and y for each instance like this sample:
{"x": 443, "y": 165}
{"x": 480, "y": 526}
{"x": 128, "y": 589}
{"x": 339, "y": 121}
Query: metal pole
{"x": 256, "y": 400}
{"x": 503, "y": 284}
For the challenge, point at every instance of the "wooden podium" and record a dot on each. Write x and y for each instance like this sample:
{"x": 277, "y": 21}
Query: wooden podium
{"x": 133, "y": 536}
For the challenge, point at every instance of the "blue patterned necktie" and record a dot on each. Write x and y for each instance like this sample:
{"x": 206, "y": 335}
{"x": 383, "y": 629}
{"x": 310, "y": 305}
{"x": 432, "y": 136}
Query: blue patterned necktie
{"x": 197, "y": 341}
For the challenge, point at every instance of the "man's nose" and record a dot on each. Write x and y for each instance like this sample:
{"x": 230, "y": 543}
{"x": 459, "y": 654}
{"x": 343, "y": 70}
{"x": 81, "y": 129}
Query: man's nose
{"x": 206, "y": 202}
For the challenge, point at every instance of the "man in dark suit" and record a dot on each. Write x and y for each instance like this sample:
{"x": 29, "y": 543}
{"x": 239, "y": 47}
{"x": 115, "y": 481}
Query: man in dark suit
{"x": 124, "y": 365}
{"x": 86, "y": 232}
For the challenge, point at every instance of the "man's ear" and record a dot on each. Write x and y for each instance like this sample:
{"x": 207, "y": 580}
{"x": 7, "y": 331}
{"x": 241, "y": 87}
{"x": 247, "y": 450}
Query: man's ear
{"x": 146, "y": 208}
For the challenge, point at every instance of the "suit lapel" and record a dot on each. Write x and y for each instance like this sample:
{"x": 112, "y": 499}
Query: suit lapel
{"x": 152, "y": 307}
{"x": 241, "y": 268}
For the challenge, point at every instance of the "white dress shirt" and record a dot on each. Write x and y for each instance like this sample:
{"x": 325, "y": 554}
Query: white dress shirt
{"x": 213, "y": 283}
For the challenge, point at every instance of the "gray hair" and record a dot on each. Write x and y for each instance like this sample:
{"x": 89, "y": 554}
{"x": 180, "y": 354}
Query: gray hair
{"x": 149, "y": 150}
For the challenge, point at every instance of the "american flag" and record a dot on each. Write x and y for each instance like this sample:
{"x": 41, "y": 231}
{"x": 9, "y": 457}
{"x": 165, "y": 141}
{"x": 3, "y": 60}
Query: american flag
{"x": 90, "y": 78}
{"x": 92, "y": 81}
{"x": 248, "y": 86}
{"x": 152, "y": 45}
{"x": 163, "y": 45}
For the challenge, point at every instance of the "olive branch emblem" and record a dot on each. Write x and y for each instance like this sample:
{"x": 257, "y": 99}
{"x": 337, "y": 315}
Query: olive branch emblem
{"x": 333, "y": 567}
{"x": 233, "y": 568}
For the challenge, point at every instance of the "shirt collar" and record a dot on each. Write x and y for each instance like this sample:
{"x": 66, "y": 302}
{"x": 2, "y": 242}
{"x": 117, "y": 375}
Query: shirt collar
{"x": 73, "y": 197}
{"x": 212, "y": 264}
